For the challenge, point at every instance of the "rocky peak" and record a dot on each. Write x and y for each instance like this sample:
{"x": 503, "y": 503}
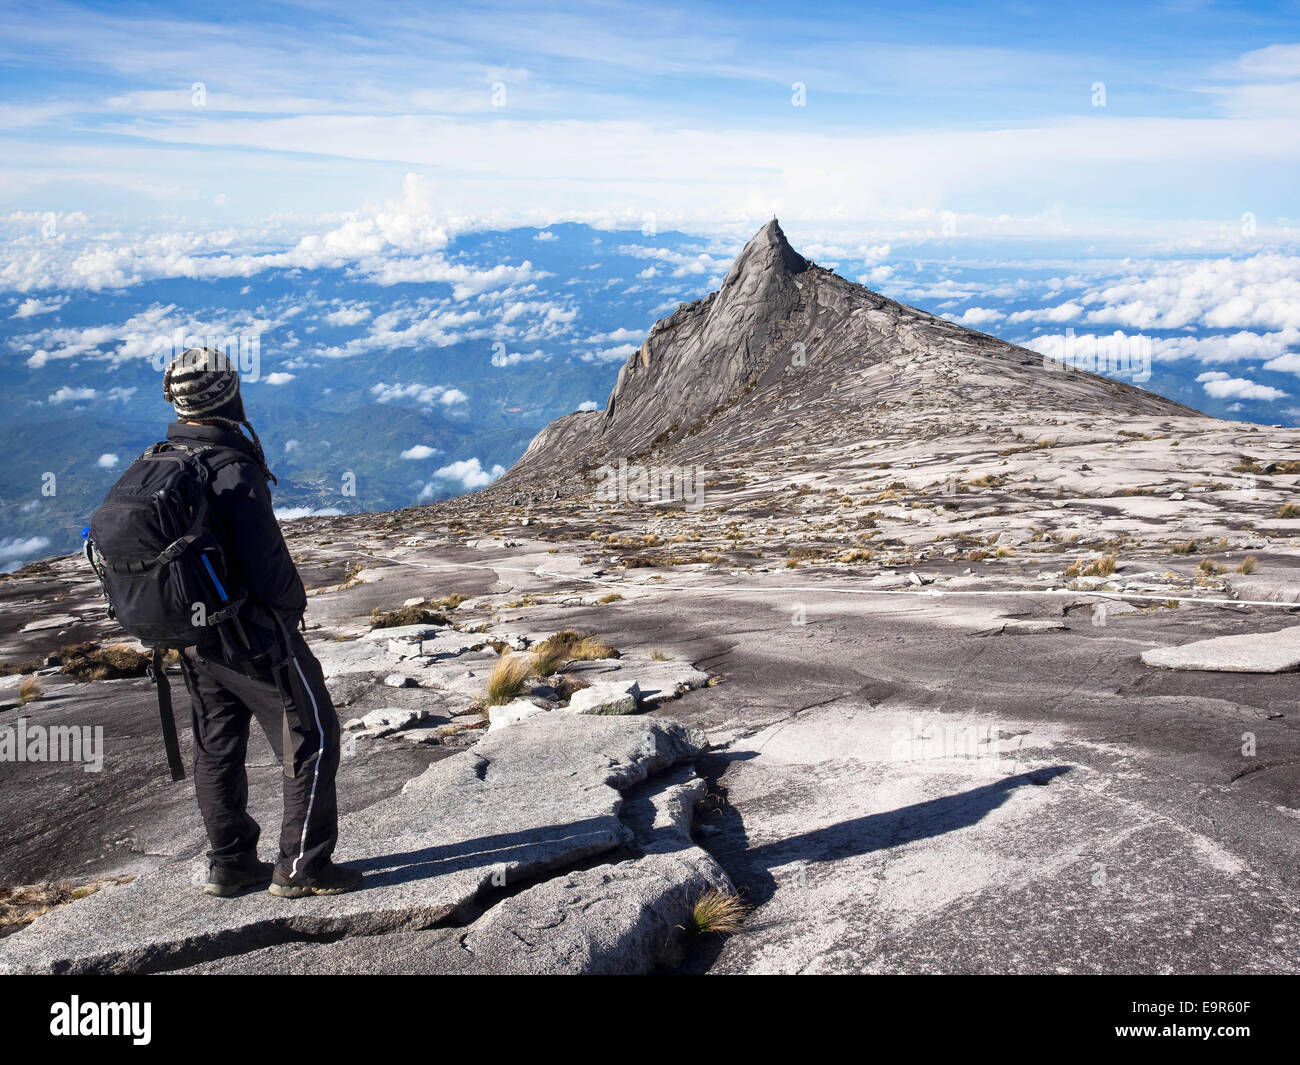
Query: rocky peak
{"x": 767, "y": 255}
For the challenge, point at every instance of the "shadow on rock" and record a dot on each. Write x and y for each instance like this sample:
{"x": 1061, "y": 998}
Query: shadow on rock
{"x": 750, "y": 869}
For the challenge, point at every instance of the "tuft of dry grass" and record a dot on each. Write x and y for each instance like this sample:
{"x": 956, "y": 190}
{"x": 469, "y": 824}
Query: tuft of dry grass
{"x": 716, "y": 913}
{"x": 658, "y": 656}
{"x": 89, "y": 661}
{"x": 1184, "y": 549}
{"x": 1102, "y": 567}
{"x": 20, "y": 906}
{"x": 406, "y": 615}
{"x": 1289, "y": 510}
{"x": 613, "y": 597}
{"x": 1208, "y": 565}
{"x": 29, "y": 690}
{"x": 548, "y": 661}
{"x": 573, "y": 646}
{"x": 1247, "y": 565}
{"x": 507, "y": 679}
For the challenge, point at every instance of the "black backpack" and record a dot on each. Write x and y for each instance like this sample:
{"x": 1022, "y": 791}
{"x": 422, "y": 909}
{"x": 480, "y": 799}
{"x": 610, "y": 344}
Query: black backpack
{"x": 160, "y": 556}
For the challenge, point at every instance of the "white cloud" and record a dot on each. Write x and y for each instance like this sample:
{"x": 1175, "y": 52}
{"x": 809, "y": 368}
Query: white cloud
{"x": 514, "y": 358}
{"x": 121, "y": 395}
{"x": 290, "y": 446}
{"x": 107, "y": 461}
{"x": 423, "y": 395}
{"x": 469, "y": 472}
{"x": 419, "y": 451}
{"x": 546, "y": 235}
{"x": 977, "y": 316}
{"x": 617, "y": 336}
{"x": 278, "y": 378}
{"x": 1263, "y": 290}
{"x": 348, "y": 316}
{"x": 590, "y": 404}
{"x": 29, "y": 308}
{"x": 15, "y": 550}
{"x": 67, "y": 394}
{"x": 1064, "y": 312}
{"x": 1222, "y": 386}
{"x": 615, "y": 354}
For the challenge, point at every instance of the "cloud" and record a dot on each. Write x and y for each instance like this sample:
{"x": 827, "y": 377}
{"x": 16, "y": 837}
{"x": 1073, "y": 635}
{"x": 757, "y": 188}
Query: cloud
{"x": 423, "y": 395}
{"x": 546, "y": 235}
{"x": 15, "y": 550}
{"x": 977, "y": 316}
{"x": 514, "y": 358}
{"x": 30, "y": 308}
{"x": 1262, "y": 291}
{"x": 615, "y": 354}
{"x": 419, "y": 451}
{"x": 469, "y": 473}
{"x": 1222, "y": 386}
{"x": 348, "y": 316}
{"x": 68, "y": 394}
{"x": 278, "y": 378}
{"x": 590, "y": 404}
{"x": 107, "y": 461}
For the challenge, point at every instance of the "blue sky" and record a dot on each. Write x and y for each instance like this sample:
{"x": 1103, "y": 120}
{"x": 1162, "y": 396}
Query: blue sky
{"x": 610, "y": 111}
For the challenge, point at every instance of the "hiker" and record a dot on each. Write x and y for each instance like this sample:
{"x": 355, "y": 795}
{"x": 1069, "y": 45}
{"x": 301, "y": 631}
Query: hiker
{"x": 248, "y": 659}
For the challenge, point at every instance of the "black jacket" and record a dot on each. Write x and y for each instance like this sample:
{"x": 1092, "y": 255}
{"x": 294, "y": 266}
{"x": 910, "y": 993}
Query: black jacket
{"x": 259, "y": 555}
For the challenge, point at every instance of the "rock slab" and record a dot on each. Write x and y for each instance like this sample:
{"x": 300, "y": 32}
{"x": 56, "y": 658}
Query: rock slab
{"x": 523, "y": 802}
{"x": 1262, "y": 652}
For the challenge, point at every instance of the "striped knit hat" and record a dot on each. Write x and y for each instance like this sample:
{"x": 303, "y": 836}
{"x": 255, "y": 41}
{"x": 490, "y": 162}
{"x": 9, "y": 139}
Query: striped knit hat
{"x": 203, "y": 385}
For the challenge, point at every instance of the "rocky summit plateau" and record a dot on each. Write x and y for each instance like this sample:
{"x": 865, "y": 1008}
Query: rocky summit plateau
{"x": 934, "y": 655}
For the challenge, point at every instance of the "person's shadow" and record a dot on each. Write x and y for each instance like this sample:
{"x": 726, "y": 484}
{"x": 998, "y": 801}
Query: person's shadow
{"x": 750, "y": 867}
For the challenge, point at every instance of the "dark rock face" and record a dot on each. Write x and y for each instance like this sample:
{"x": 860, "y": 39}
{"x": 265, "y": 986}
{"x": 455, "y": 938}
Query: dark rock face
{"x": 789, "y": 353}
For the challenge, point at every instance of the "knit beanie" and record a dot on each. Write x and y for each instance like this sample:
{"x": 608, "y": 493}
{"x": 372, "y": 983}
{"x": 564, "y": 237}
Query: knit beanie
{"x": 203, "y": 385}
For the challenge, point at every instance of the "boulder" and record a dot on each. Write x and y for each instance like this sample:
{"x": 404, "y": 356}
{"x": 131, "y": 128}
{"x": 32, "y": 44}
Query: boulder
{"x": 606, "y": 697}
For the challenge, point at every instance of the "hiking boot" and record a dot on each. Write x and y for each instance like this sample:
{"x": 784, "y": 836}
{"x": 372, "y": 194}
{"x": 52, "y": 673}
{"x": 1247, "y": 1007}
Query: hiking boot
{"x": 329, "y": 879}
{"x": 225, "y": 880}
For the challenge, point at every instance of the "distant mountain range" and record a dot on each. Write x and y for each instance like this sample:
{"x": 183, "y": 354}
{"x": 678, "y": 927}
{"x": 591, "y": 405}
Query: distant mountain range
{"x": 419, "y": 380}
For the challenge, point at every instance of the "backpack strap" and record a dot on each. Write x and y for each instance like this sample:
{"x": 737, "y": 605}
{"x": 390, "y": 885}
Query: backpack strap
{"x": 158, "y": 674}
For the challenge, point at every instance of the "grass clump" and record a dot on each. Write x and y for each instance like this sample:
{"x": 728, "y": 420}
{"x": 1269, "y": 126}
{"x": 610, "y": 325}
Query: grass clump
{"x": 1184, "y": 549}
{"x": 1289, "y": 510}
{"x": 613, "y": 597}
{"x": 89, "y": 661}
{"x": 1247, "y": 565}
{"x": 29, "y": 690}
{"x": 1102, "y": 567}
{"x": 1208, "y": 565}
{"x": 573, "y": 646}
{"x": 20, "y": 906}
{"x": 507, "y": 679}
{"x": 716, "y": 913}
{"x": 407, "y": 615}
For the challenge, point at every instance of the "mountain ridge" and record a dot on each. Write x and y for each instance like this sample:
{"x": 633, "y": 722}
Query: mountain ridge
{"x": 783, "y": 336}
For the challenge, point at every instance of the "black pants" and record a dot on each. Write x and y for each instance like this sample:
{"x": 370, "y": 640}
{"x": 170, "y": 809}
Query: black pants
{"x": 293, "y": 708}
